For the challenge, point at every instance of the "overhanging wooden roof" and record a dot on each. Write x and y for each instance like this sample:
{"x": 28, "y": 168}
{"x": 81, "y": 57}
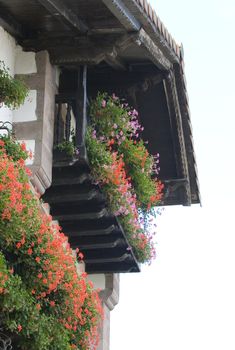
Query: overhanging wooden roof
{"x": 124, "y": 36}
{"x": 127, "y": 50}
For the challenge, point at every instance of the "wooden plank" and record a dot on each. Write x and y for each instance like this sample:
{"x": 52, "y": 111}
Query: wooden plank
{"x": 76, "y": 58}
{"x": 106, "y": 31}
{"x": 178, "y": 134}
{"x": 154, "y": 52}
{"x": 59, "y": 10}
{"x": 121, "y": 12}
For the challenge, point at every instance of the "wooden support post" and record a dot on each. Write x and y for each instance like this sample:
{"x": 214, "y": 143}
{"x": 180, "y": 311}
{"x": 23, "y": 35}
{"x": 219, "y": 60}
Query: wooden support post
{"x": 57, "y": 124}
{"x": 81, "y": 112}
{"x": 178, "y": 136}
{"x": 68, "y": 123}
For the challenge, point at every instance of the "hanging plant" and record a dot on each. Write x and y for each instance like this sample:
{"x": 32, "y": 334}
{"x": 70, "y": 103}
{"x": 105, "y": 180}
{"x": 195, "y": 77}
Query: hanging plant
{"x": 12, "y": 91}
{"x": 125, "y": 170}
{"x": 67, "y": 147}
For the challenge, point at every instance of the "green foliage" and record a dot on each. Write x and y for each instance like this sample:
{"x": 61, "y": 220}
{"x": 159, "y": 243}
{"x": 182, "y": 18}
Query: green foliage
{"x": 43, "y": 300}
{"x": 20, "y": 315}
{"x": 12, "y": 91}
{"x": 68, "y": 147}
{"x": 98, "y": 154}
{"x": 139, "y": 165}
{"x": 108, "y": 116}
{"x": 15, "y": 149}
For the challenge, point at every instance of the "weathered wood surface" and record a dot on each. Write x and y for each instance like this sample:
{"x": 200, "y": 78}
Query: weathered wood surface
{"x": 82, "y": 212}
{"x": 59, "y": 9}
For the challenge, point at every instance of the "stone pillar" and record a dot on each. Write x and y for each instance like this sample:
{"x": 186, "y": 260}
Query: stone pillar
{"x": 109, "y": 294}
{"x": 34, "y": 121}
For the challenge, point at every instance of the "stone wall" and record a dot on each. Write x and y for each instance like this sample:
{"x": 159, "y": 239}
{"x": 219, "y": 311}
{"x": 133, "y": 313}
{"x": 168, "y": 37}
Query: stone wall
{"x": 108, "y": 284}
{"x": 7, "y": 54}
{"x": 33, "y": 122}
{"x": 37, "y": 123}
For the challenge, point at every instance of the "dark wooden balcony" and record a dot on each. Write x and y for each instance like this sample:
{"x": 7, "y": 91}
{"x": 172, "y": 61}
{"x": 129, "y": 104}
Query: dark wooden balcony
{"x": 77, "y": 203}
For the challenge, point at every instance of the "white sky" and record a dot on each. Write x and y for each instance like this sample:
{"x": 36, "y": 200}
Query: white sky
{"x": 186, "y": 299}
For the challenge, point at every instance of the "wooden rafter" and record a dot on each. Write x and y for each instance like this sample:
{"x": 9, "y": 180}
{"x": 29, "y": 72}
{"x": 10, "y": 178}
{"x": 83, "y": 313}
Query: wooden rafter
{"x": 178, "y": 134}
{"x": 113, "y": 60}
{"x": 58, "y": 9}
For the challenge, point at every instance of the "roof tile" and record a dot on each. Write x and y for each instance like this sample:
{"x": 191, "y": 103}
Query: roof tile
{"x": 151, "y": 13}
{"x": 146, "y": 6}
{"x": 155, "y": 19}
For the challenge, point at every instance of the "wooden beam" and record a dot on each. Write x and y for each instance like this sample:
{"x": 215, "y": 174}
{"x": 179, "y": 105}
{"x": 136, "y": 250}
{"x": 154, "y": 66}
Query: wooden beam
{"x": 84, "y": 50}
{"x": 106, "y": 31}
{"x": 114, "y": 61}
{"x": 155, "y": 54}
{"x": 59, "y": 10}
{"x": 81, "y": 112}
{"x": 185, "y": 113}
{"x": 40, "y": 43}
{"x": 93, "y": 54}
{"x": 121, "y": 12}
{"x": 124, "y": 42}
{"x": 77, "y": 58}
{"x": 72, "y": 42}
{"x": 177, "y": 133}
{"x": 111, "y": 56}
{"x": 91, "y": 58}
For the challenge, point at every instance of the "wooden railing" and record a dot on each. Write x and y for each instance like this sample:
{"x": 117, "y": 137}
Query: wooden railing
{"x": 5, "y": 127}
{"x": 71, "y": 115}
{"x": 65, "y": 112}
{"x": 5, "y": 340}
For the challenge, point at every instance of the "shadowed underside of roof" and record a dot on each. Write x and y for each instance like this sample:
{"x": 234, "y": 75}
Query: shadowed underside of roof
{"x": 121, "y": 38}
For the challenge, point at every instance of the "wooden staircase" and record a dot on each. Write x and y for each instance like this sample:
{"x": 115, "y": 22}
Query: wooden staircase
{"x": 81, "y": 210}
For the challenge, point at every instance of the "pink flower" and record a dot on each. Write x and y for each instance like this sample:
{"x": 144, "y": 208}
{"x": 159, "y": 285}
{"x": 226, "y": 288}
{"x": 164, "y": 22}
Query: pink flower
{"x": 135, "y": 112}
{"x": 94, "y": 134}
{"x": 114, "y": 97}
{"x": 103, "y": 103}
